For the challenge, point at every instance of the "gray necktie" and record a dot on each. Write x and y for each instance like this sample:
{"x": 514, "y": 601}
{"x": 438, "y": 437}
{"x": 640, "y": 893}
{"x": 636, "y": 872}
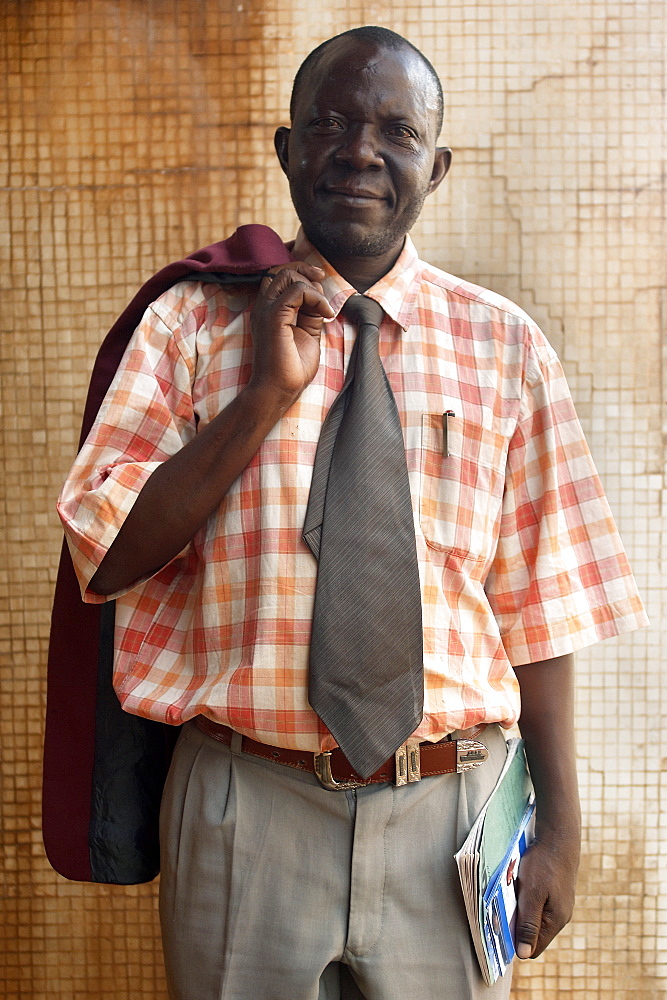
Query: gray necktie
{"x": 366, "y": 656}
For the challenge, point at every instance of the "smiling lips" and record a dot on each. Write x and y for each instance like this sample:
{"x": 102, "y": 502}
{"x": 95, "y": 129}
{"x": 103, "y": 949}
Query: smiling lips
{"x": 353, "y": 195}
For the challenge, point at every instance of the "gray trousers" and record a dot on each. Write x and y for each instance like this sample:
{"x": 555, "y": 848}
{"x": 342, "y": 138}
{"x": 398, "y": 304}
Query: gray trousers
{"x": 274, "y": 888}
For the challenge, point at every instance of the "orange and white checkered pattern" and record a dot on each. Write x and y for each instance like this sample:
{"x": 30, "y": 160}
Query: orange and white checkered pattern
{"x": 519, "y": 556}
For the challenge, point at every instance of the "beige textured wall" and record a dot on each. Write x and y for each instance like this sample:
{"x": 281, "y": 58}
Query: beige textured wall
{"x": 132, "y": 131}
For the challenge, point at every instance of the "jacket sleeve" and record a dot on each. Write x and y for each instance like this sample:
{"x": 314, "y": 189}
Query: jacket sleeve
{"x": 146, "y": 417}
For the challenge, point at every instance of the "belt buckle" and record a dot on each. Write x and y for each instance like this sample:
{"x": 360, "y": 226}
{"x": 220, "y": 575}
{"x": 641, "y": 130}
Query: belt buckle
{"x": 322, "y": 768}
{"x": 408, "y": 762}
{"x": 469, "y": 753}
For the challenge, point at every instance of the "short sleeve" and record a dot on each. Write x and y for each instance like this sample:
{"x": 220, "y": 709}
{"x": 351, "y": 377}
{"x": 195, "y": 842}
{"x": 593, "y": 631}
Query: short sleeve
{"x": 560, "y": 579}
{"x": 145, "y": 418}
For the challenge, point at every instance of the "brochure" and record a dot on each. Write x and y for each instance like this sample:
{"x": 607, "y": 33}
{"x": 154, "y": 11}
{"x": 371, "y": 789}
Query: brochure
{"x": 489, "y": 860}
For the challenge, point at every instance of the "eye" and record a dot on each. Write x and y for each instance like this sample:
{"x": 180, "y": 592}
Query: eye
{"x": 402, "y": 132}
{"x": 326, "y": 123}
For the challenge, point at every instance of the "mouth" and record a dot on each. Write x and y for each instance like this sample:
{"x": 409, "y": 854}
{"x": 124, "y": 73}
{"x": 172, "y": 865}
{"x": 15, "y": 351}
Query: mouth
{"x": 352, "y": 195}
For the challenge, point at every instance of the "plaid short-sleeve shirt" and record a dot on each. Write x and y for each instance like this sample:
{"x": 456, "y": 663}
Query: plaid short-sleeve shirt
{"x": 519, "y": 556}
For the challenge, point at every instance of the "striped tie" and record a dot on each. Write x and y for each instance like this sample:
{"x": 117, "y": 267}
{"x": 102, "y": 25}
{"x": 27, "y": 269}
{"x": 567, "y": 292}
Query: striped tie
{"x": 366, "y": 657}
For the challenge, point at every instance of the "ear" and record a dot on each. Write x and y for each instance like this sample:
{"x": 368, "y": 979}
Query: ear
{"x": 441, "y": 164}
{"x": 281, "y": 143}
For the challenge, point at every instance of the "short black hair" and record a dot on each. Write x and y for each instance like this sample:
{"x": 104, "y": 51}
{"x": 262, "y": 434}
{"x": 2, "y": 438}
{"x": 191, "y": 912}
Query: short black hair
{"x": 383, "y": 37}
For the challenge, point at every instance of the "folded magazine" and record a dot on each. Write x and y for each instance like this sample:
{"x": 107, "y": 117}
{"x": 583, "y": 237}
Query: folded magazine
{"x": 489, "y": 861}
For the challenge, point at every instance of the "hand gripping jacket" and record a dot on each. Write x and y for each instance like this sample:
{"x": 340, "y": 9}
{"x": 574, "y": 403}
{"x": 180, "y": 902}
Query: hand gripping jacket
{"x": 104, "y": 769}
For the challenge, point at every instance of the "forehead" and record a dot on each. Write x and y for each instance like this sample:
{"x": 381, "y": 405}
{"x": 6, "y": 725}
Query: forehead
{"x": 350, "y": 70}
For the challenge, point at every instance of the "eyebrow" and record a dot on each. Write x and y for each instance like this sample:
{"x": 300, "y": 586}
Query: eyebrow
{"x": 393, "y": 115}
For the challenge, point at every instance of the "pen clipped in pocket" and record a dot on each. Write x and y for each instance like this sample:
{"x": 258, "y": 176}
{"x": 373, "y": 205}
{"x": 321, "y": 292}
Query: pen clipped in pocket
{"x": 462, "y": 467}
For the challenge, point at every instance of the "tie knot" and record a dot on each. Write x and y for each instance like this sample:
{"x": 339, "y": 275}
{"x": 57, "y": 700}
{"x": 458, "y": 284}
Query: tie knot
{"x": 361, "y": 311}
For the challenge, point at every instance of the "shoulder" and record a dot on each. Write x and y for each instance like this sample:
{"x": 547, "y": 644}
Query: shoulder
{"x": 187, "y": 319}
{"x": 454, "y": 289}
{"x": 487, "y": 312}
{"x": 205, "y": 301}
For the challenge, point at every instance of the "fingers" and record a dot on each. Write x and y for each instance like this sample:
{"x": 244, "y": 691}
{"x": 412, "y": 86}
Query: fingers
{"x": 535, "y": 929}
{"x": 286, "y": 326}
{"x": 545, "y": 901}
{"x": 310, "y": 271}
{"x": 297, "y": 287}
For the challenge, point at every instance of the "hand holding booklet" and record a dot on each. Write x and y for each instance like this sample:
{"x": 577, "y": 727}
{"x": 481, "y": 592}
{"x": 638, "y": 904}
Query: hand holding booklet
{"x": 489, "y": 861}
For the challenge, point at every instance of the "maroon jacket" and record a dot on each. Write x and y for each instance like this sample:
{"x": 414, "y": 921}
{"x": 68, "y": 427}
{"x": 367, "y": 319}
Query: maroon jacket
{"x": 103, "y": 768}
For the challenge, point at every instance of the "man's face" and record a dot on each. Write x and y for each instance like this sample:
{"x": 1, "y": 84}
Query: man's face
{"x": 360, "y": 156}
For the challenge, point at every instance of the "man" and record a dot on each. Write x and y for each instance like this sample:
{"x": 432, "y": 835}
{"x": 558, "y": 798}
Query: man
{"x": 188, "y": 502}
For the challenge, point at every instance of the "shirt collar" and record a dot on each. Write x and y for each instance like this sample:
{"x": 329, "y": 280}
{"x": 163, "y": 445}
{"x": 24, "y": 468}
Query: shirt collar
{"x": 396, "y": 292}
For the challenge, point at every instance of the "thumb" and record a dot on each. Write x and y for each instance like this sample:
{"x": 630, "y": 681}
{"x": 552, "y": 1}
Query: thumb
{"x": 528, "y": 923}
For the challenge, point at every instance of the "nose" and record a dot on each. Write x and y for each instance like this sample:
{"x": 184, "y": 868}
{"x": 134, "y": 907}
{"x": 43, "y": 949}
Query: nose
{"x": 359, "y": 148}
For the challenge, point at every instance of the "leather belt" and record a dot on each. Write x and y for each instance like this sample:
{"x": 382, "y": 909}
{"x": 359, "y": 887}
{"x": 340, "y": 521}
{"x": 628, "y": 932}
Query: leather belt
{"x": 411, "y": 762}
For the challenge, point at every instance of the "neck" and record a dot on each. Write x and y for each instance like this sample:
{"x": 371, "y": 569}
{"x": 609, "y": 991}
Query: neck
{"x": 362, "y": 272}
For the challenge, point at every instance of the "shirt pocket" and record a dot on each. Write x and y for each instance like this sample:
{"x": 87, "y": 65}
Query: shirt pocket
{"x": 461, "y": 492}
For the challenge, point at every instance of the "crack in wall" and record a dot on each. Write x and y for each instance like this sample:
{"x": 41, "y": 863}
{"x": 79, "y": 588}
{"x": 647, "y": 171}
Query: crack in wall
{"x": 595, "y": 57}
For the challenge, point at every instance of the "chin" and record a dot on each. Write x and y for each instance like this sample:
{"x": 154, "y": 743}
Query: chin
{"x": 344, "y": 239}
